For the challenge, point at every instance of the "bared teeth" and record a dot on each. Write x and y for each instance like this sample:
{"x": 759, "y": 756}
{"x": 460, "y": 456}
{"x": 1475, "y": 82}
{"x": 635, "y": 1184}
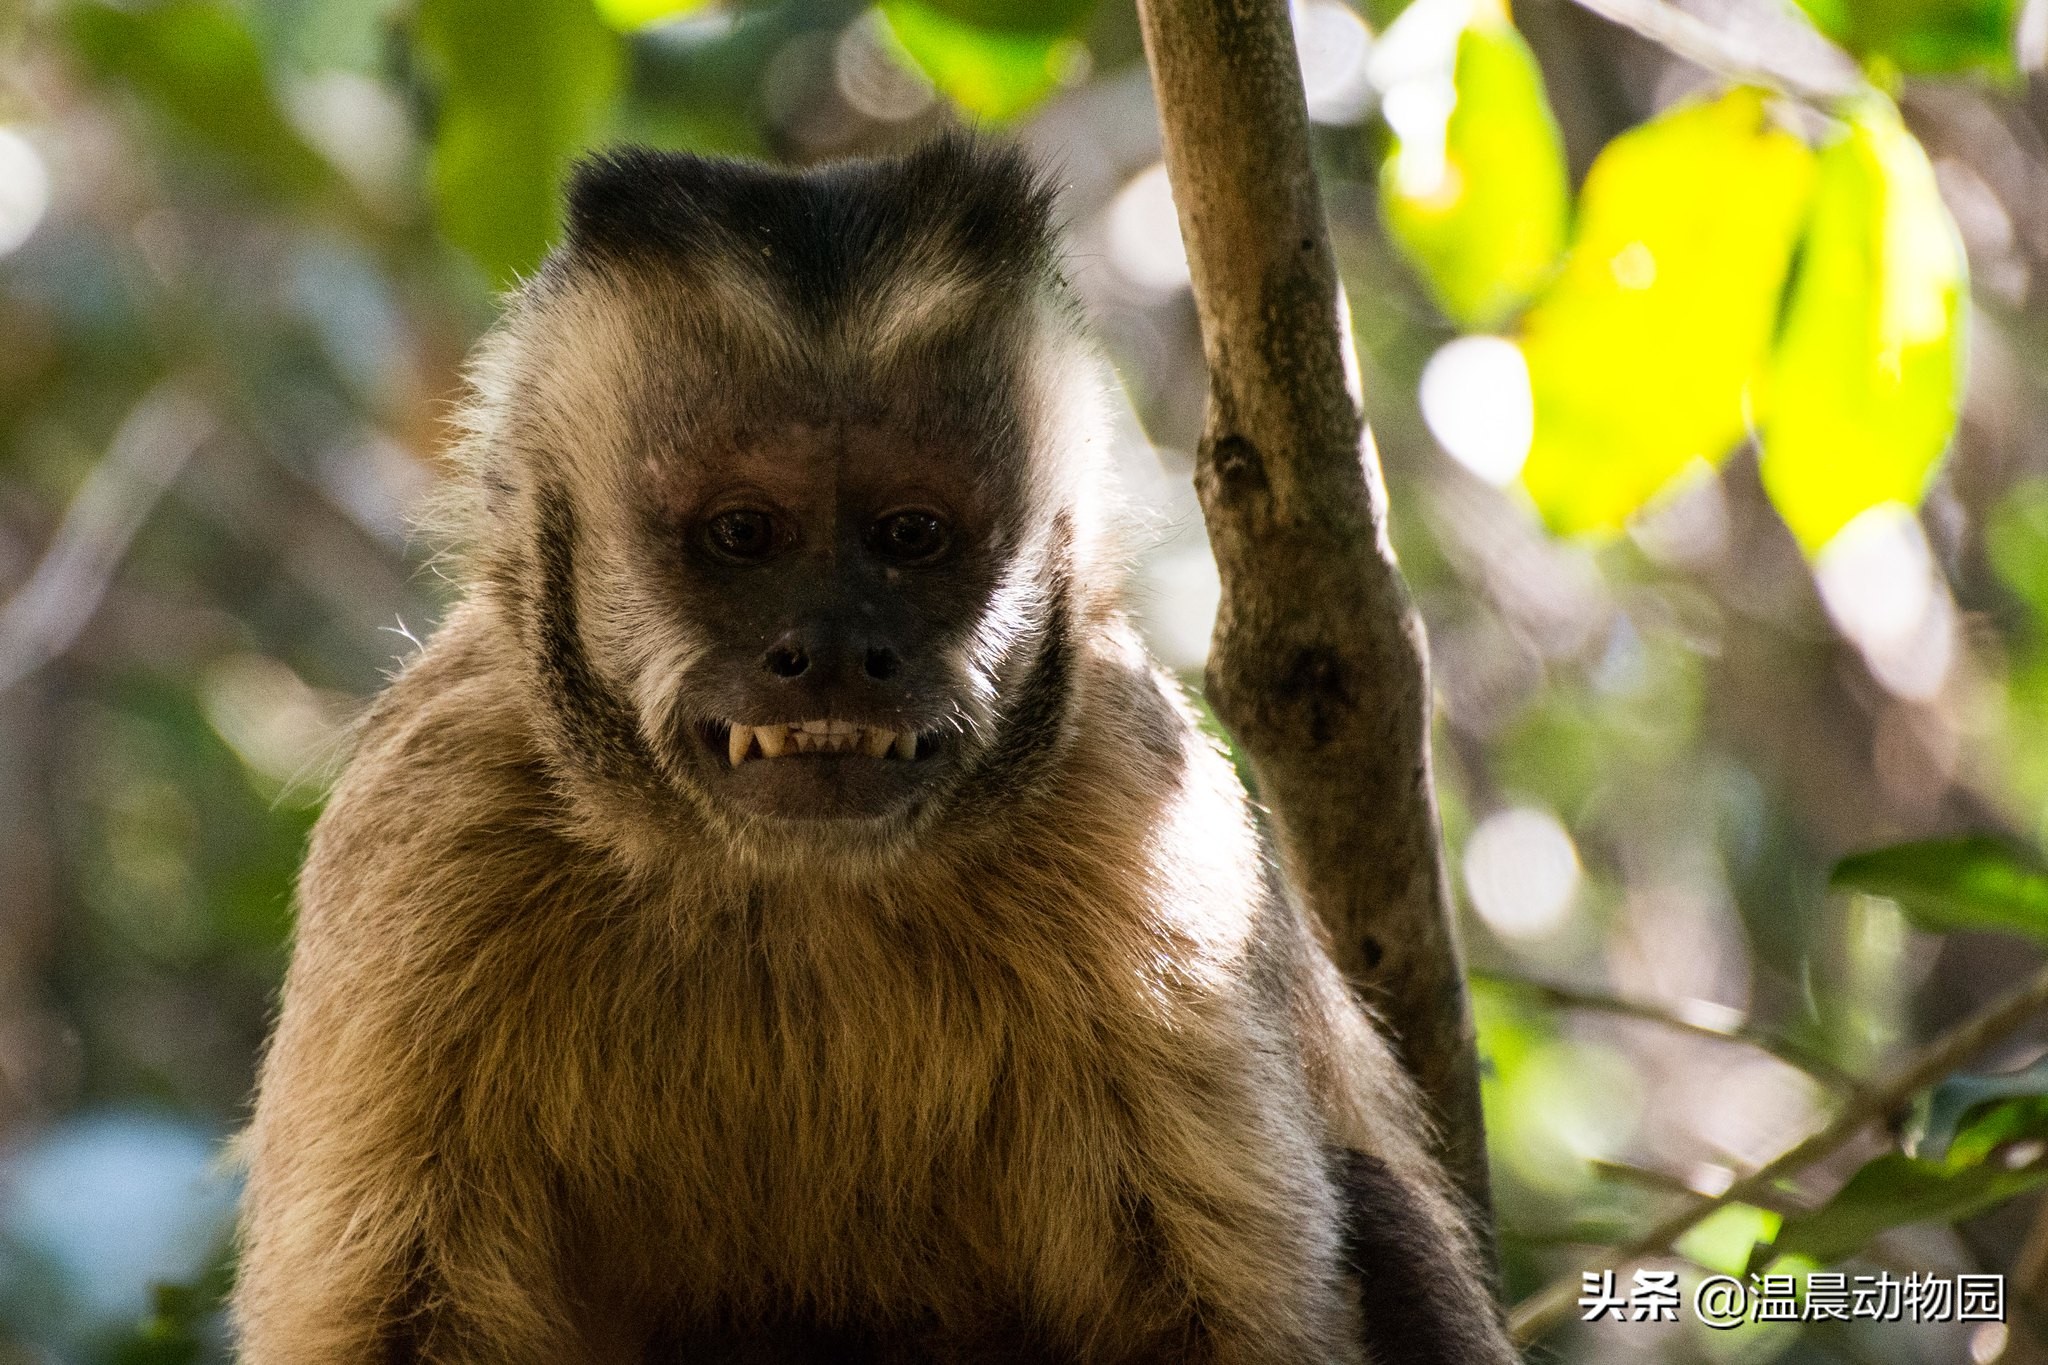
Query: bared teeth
{"x": 818, "y": 737}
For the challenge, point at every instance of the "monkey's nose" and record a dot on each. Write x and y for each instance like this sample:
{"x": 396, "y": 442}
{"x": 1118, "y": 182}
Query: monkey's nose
{"x": 826, "y": 657}
{"x": 788, "y": 659}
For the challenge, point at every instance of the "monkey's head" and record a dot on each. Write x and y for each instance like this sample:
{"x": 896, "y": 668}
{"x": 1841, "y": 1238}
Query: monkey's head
{"x": 785, "y": 478}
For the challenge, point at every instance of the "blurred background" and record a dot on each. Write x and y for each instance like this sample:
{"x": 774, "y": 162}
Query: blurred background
{"x": 1710, "y": 374}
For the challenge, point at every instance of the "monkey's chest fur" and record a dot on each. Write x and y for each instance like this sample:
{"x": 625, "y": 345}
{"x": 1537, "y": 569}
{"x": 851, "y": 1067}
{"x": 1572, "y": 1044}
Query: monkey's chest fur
{"x": 842, "y": 1118}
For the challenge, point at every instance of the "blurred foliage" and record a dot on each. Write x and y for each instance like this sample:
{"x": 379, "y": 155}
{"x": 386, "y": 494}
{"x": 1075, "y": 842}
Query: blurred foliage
{"x": 628, "y": 15}
{"x": 1923, "y": 35}
{"x": 1868, "y": 377}
{"x": 1642, "y": 356}
{"x": 522, "y": 86}
{"x": 1977, "y": 882}
{"x": 1892, "y": 1191}
{"x": 1966, "y": 1119}
{"x": 994, "y": 70}
{"x": 1726, "y": 1240}
{"x": 1741, "y": 805}
{"x": 1474, "y": 186}
{"x": 200, "y": 66}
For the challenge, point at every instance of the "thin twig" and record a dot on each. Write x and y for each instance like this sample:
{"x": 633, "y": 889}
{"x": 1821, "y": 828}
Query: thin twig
{"x": 1570, "y": 998}
{"x": 1667, "y": 1183}
{"x": 45, "y": 615}
{"x": 1547, "y": 1307}
{"x": 1823, "y": 74}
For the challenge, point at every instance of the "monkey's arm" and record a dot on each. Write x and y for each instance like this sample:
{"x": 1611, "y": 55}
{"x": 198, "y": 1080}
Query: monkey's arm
{"x": 1419, "y": 1299}
{"x": 1422, "y": 1292}
{"x": 386, "y": 1219}
{"x": 332, "y": 1218}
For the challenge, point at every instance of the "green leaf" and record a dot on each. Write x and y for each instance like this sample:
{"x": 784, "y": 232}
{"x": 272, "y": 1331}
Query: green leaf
{"x": 1474, "y": 190}
{"x": 1923, "y": 36}
{"x": 197, "y": 63}
{"x": 628, "y": 15}
{"x": 1999, "y": 1125}
{"x": 1893, "y": 1191}
{"x": 1725, "y": 1239}
{"x": 1018, "y": 16}
{"x": 525, "y": 85}
{"x": 1643, "y": 353}
{"x": 1868, "y": 375}
{"x": 995, "y": 74}
{"x": 1965, "y": 1119}
{"x": 1975, "y": 882}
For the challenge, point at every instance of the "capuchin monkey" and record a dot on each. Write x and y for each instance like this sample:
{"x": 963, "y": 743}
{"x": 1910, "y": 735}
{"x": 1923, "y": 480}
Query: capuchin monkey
{"x": 783, "y": 914}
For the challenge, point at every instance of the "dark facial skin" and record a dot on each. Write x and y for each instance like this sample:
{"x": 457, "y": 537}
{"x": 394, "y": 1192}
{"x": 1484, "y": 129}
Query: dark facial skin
{"x": 836, "y": 572}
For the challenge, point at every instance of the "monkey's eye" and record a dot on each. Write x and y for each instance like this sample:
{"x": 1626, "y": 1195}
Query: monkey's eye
{"x": 909, "y": 537}
{"x": 743, "y": 534}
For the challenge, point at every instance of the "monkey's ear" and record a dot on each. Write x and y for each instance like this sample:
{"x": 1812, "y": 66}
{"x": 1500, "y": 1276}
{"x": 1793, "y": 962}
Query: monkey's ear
{"x": 995, "y": 201}
{"x": 627, "y": 199}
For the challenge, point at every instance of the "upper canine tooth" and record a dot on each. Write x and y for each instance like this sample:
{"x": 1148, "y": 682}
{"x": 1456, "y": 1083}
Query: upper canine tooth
{"x": 877, "y": 742}
{"x": 773, "y": 739}
{"x": 906, "y": 744}
{"x": 737, "y": 744}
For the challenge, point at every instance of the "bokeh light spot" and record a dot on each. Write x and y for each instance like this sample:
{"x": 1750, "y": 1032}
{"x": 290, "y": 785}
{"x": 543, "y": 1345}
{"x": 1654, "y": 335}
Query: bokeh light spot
{"x": 1522, "y": 871}
{"x": 1334, "y": 44}
{"x": 1881, "y": 587}
{"x": 875, "y": 75}
{"x": 24, "y": 189}
{"x": 1634, "y": 266}
{"x": 1476, "y": 399}
{"x": 1144, "y": 233}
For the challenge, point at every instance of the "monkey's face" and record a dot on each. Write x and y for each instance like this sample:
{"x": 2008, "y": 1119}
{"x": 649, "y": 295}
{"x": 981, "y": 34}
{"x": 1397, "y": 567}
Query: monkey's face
{"x": 836, "y": 580}
{"x": 800, "y": 480}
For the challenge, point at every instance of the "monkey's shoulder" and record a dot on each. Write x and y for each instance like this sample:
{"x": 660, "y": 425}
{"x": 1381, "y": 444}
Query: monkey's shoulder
{"x": 446, "y": 798}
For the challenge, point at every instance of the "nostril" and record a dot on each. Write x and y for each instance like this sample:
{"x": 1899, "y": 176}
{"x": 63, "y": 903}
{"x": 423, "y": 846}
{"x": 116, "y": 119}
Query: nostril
{"x": 788, "y": 661}
{"x": 881, "y": 664}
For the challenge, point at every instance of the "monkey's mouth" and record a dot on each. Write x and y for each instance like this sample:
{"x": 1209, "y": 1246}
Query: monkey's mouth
{"x": 819, "y": 738}
{"x": 811, "y": 770}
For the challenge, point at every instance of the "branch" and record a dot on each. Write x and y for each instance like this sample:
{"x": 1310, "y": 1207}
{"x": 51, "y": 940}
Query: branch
{"x": 1549, "y": 1306}
{"x": 1664, "y": 1182}
{"x": 1318, "y": 666}
{"x": 1768, "y": 56}
{"x": 2027, "y": 1337}
{"x": 1565, "y": 997}
{"x": 45, "y": 615}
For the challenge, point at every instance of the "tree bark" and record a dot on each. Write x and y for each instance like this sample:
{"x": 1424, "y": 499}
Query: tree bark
{"x": 1318, "y": 668}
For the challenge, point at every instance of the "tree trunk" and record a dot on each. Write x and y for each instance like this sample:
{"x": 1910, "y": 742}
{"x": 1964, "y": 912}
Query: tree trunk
{"x": 1318, "y": 667}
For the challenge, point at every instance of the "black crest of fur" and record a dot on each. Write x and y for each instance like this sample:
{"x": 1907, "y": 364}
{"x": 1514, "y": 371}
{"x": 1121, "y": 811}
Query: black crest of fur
{"x": 823, "y": 231}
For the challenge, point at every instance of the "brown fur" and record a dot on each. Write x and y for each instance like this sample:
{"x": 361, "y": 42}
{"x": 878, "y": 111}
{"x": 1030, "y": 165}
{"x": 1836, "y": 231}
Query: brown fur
{"x": 573, "y": 1067}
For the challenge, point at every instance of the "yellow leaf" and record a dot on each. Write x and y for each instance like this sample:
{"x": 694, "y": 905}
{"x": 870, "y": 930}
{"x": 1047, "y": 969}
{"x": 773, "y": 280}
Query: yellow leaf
{"x": 1474, "y": 190}
{"x": 1869, "y": 373}
{"x": 1643, "y": 353}
{"x": 629, "y": 15}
